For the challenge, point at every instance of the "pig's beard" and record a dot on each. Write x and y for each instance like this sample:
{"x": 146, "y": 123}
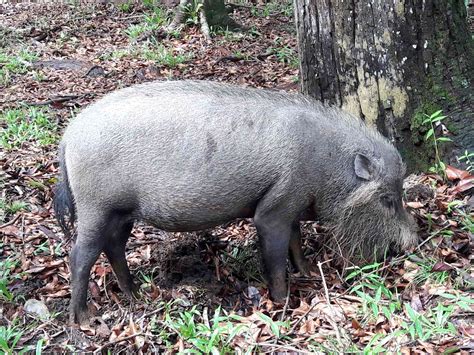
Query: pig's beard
{"x": 364, "y": 230}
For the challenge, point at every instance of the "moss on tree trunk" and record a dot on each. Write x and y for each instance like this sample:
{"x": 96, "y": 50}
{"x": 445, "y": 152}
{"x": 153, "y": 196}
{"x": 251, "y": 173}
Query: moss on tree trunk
{"x": 390, "y": 62}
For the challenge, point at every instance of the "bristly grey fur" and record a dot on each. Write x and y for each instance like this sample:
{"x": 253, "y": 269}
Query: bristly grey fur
{"x": 191, "y": 155}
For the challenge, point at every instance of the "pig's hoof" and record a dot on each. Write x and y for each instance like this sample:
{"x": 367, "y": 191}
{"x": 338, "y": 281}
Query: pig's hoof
{"x": 79, "y": 316}
{"x": 278, "y": 296}
{"x": 303, "y": 268}
{"x": 300, "y": 265}
{"x": 131, "y": 291}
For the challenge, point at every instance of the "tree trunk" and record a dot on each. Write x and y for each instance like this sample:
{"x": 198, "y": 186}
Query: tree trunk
{"x": 212, "y": 13}
{"x": 390, "y": 62}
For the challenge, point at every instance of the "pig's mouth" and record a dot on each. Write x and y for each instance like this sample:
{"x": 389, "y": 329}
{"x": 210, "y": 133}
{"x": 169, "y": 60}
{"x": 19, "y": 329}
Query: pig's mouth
{"x": 394, "y": 250}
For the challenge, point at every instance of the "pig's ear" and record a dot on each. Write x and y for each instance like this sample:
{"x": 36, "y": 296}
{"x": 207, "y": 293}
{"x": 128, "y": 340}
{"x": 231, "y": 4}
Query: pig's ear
{"x": 363, "y": 167}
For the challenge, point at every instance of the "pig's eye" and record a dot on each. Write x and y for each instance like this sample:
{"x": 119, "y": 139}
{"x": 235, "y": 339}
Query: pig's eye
{"x": 388, "y": 201}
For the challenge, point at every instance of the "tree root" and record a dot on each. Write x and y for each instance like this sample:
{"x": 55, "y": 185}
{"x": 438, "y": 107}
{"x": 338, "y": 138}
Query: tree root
{"x": 211, "y": 13}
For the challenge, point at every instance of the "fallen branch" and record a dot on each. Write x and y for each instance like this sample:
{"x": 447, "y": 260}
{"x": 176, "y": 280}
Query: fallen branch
{"x": 326, "y": 292}
{"x": 230, "y": 58}
{"x": 10, "y": 222}
{"x": 54, "y": 100}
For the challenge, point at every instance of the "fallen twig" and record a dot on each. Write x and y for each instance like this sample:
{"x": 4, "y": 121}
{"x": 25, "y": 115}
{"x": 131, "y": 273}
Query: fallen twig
{"x": 54, "y": 100}
{"x": 326, "y": 292}
{"x": 10, "y": 222}
{"x": 115, "y": 341}
{"x": 286, "y": 303}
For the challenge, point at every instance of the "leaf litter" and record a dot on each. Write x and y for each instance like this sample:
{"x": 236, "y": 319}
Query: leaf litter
{"x": 198, "y": 287}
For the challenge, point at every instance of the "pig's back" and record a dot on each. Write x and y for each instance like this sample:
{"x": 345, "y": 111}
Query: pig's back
{"x": 183, "y": 149}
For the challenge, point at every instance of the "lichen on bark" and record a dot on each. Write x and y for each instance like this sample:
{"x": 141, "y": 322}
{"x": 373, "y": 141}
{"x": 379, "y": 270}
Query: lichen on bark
{"x": 390, "y": 62}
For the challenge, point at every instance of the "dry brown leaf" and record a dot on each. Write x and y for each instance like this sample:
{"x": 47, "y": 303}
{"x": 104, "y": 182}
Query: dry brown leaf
{"x": 441, "y": 266}
{"x": 308, "y": 328}
{"x": 415, "y": 204}
{"x": 455, "y": 174}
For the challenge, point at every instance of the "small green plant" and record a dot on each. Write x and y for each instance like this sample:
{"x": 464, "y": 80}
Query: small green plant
{"x": 6, "y": 277}
{"x": 431, "y": 121}
{"x": 164, "y": 56}
{"x": 434, "y": 323}
{"x": 285, "y": 54}
{"x": 16, "y": 206}
{"x": 240, "y": 55}
{"x": 14, "y": 64}
{"x": 126, "y": 6}
{"x": 273, "y": 8}
{"x": 466, "y": 220}
{"x": 275, "y": 326}
{"x": 158, "y": 17}
{"x": 26, "y": 125}
{"x": 149, "y": 4}
{"x": 134, "y": 31}
{"x": 426, "y": 273}
{"x": 206, "y": 336}
{"x": 463, "y": 302}
{"x": 243, "y": 261}
{"x": 192, "y": 10}
{"x": 9, "y": 341}
{"x": 118, "y": 54}
{"x": 370, "y": 287}
{"x": 9, "y": 338}
{"x": 10, "y": 208}
{"x": 228, "y": 35}
{"x": 38, "y": 76}
{"x": 468, "y": 159}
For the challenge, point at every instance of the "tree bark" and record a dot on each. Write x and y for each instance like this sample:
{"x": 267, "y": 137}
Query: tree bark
{"x": 212, "y": 13}
{"x": 389, "y": 62}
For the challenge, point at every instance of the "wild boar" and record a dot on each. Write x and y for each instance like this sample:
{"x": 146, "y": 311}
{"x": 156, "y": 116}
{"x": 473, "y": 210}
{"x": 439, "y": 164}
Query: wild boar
{"x": 190, "y": 155}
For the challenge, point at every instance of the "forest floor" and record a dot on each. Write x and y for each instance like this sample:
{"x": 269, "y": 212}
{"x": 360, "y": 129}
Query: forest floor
{"x": 201, "y": 291}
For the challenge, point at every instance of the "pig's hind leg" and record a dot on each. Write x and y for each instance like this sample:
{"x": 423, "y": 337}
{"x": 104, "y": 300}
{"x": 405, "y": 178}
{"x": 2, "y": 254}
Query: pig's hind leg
{"x": 115, "y": 251}
{"x": 89, "y": 243}
{"x": 97, "y": 231}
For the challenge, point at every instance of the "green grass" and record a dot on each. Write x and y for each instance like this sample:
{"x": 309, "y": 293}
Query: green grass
{"x": 285, "y": 54}
{"x": 273, "y": 8}
{"x": 369, "y": 285}
{"x": 10, "y": 337}
{"x": 192, "y": 12}
{"x": 158, "y": 17}
{"x": 196, "y": 329}
{"x": 134, "y": 31}
{"x": 164, "y": 56}
{"x": 435, "y": 322}
{"x": 14, "y": 64}
{"x": 468, "y": 159}
{"x": 26, "y": 125}
{"x": 6, "y": 277}
{"x": 160, "y": 54}
{"x": 425, "y": 273}
{"x": 244, "y": 262}
{"x": 10, "y": 208}
{"x": 377, "y": 300}
{"x": 153, "y": 20}
{"x": 126, "y": 6}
